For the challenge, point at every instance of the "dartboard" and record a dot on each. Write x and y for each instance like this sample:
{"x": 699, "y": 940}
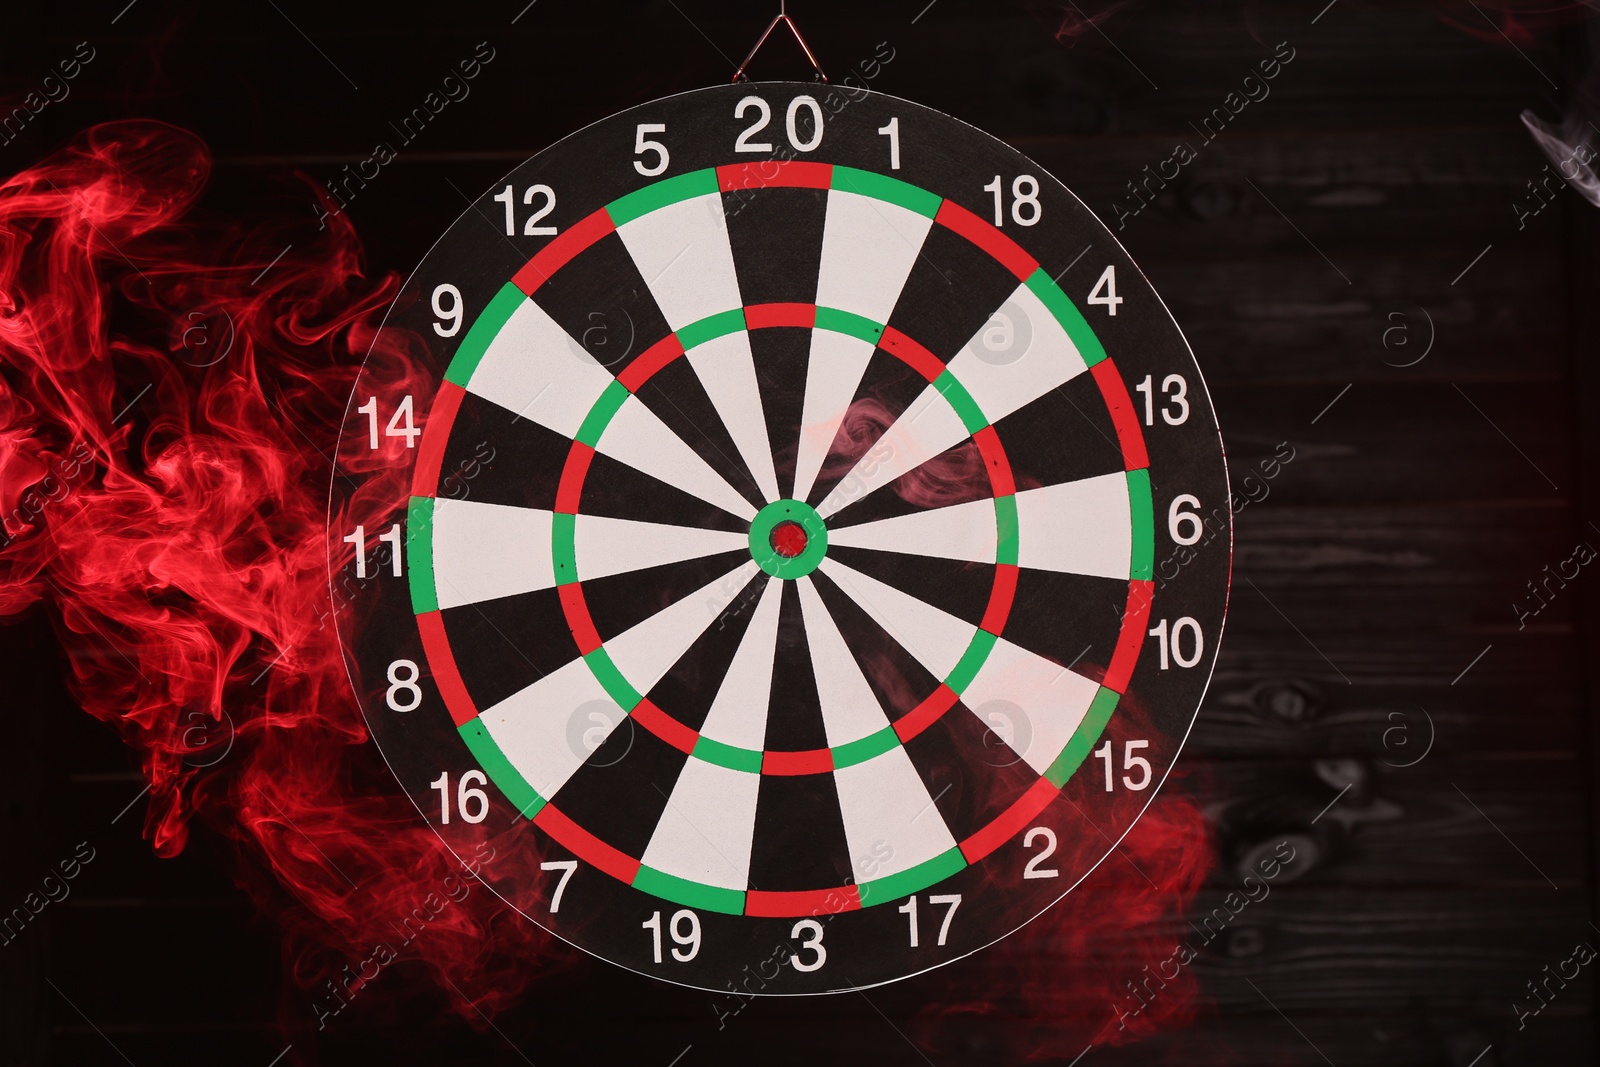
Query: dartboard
{"x": 816, "y": 547}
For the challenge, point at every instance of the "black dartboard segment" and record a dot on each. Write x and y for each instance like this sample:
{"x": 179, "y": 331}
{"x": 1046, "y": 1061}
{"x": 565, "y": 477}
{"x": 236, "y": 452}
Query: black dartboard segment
{"x": 781, "y": 559}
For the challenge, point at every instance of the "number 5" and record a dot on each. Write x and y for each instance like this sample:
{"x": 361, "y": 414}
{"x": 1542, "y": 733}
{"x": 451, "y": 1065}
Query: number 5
{"x": 641, "y": 146}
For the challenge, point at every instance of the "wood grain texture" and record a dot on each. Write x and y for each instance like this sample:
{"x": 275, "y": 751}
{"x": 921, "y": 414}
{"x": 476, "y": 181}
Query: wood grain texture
{"x": 1380, "y": 563}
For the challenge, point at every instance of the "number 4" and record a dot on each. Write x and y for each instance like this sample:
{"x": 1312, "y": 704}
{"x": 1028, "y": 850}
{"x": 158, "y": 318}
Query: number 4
{"x": 1105, "y": 291}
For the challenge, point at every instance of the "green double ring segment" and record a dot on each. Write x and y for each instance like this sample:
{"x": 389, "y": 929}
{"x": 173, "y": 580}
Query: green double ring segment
{"x": 770, "y": 559}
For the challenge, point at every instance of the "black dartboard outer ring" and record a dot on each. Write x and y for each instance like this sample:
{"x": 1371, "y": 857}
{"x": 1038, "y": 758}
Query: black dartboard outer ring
{"x": 805, "y": 580}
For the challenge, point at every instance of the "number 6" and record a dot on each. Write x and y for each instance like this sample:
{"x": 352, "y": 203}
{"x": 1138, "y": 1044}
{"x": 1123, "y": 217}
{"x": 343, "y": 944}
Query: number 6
{"x": 1177, "y": 517}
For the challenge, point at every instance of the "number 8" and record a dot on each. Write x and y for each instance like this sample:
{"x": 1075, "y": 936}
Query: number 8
{"x": 1019, "y": 199}
{"x": 399, "y": 685}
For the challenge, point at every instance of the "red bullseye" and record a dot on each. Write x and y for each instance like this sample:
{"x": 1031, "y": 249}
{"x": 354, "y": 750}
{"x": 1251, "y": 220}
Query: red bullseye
{"x": 788, "y": 539}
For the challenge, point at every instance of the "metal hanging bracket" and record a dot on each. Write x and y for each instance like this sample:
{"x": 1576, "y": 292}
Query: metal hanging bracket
{"x": 783, "y": 17}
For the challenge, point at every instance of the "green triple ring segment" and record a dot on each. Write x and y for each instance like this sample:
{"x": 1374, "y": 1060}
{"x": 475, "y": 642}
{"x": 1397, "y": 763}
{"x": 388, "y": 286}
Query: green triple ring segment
{"x": 770, "y": 559}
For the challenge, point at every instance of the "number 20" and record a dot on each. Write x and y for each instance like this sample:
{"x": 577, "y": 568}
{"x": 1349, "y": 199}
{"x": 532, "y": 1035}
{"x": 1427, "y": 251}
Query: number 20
{"x": 790, "y": 121}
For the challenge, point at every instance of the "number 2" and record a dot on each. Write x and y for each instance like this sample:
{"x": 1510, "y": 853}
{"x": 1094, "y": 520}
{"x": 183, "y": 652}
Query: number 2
{"x": 1033, "y": 870}
{"x": 763, "y": 116}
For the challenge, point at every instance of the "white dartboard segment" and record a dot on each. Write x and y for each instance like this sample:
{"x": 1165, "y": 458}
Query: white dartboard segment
{"x": 738, "y": 714}
{"x": 545, "y": 729}
{"x": 957, "y": 531}
{"x": 607, "y": 546}
{"x": 837, "y": 362}
{"x": 704, "y": 834}
{"x": 890, "y": 819}
{"x": 648, "y": 650}
{"x": 682, "y": 254}
{"x": 926, "y": 428}
{"x": 535, "y": 370}
{"x": 850, "y": 711}
{"x": 487, "y": 551}
{"x": 637, "y": 437}
{"x": 1031, "y": 703}
{"x": 1018, "y": 356}
{"x": 727, "y": 370}
{"x": 1081, "y": 527}
{"x": 868, "y": 249}
{"x": 935, "y": 637}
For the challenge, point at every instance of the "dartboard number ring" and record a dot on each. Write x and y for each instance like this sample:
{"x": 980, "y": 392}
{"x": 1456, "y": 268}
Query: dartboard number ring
{"x": 816, "y": 547}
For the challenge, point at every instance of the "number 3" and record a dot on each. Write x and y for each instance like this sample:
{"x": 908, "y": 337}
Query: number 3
{"x": 814, "y": 928}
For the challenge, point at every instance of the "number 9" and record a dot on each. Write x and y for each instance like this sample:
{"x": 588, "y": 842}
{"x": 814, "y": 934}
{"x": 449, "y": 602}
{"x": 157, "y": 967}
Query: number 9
{"x": 453, "y": 313}
{"x": 689, "y": 939}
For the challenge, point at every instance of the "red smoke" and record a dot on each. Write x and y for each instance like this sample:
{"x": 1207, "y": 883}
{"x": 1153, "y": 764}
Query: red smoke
{"x": 1075, "y": 976}
{"x": 171, "y": 389}
{"x": 1088, "y": 971}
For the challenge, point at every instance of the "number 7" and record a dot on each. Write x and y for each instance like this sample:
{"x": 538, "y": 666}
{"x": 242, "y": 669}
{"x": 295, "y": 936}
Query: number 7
{"x": 952, "y": 899}
{"x": 566, "y": 867}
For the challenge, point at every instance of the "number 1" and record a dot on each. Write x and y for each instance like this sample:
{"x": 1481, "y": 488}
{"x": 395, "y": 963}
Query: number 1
{"x": 507, "y": 196}
{"x": 892, "y": 131}
{"x": 994, "y": 187}
{"x": 1104, "y": 752}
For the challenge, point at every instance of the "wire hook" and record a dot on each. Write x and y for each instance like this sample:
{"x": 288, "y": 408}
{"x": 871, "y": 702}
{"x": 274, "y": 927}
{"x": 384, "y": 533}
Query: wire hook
{"x": 783, "y": 17}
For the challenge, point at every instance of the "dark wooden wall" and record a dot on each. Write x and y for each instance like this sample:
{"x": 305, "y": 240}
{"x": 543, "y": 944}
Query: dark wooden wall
{"x": 1383, "y": 561}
